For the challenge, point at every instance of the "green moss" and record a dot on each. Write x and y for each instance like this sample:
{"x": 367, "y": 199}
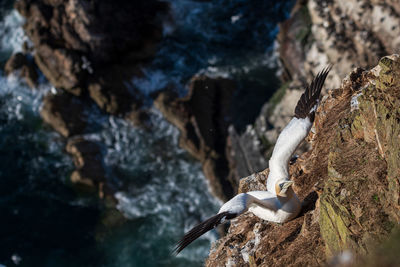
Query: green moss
{"x": 334, "y": 225}
{"x": 364, "y": 160}
{"x": 386, "y": 76}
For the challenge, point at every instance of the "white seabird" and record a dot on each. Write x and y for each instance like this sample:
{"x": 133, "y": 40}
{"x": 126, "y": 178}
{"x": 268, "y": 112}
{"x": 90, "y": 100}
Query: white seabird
{"x": 279, "y": 203}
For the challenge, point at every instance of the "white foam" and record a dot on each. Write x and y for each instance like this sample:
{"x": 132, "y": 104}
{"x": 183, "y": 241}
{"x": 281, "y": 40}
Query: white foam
{"x": 19, "y": 95}
{"x": 16, "y": 259}
{"x": 11, "y": 32}
{"x": 235, "y": 18}
{"x": 160, "y": 180}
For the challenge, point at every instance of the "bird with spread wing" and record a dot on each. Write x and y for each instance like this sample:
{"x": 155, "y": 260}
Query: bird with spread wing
{"x": 279, "y": 203}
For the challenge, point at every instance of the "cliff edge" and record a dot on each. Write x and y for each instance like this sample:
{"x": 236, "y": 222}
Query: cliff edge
{"x": 348, "y": 182}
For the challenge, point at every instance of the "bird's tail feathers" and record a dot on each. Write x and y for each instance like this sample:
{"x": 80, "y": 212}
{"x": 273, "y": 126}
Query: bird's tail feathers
{"x": 309, "y": 100}
{"x": 202, "y": 228}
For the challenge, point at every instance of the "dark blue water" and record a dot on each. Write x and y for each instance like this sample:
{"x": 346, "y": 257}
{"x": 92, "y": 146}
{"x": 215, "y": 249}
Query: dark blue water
{"x": 44, "y": 221}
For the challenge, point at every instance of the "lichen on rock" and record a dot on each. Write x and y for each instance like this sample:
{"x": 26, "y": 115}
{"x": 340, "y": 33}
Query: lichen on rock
{"x": 365, "y": 157}
{"x": 348, "y": 182}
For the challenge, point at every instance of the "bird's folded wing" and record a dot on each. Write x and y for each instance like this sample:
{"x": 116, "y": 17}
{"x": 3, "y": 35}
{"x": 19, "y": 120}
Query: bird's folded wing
{"x": 264, "y": 199}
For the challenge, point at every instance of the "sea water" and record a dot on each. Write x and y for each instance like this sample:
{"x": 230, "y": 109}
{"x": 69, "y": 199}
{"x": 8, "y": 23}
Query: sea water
{"x": 45, "y": 222}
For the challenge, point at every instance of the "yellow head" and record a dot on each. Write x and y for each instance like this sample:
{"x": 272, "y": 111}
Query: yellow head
{"x": 282, "y": 188}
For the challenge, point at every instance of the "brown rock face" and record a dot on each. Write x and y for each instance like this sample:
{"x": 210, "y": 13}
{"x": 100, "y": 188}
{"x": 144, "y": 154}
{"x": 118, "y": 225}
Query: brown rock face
{"x": 293, "y": 36}
{"x": 348, "y": 182}
{"x": 79, "y": 46}
{"x": 19, "y": 64}
{"x": 65, "y": 113}
{"x": 110, "y": 93}
{"x": 203, "y": 119}
{"x": 90, "y": 170}
{"x": 62, "y": 67}
{"x": 83, "y": 50}
{"x": 343, "y": 33}
{"x": 318, "y": 33}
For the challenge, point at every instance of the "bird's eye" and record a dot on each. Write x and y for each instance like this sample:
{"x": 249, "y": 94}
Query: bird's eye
{"x": 281, "y": 186}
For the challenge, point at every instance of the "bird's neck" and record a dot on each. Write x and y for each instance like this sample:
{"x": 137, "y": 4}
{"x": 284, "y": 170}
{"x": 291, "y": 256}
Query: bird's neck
{"x": 289, "y": 194}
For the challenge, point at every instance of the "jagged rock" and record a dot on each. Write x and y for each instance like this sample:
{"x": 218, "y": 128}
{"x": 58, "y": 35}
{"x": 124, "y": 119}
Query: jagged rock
{"x": 343, "y": 33}
{"x": 65, "y": 113}
{"x": 203, "y": 118}
{"x": 18, "y": 63}
{"x": 251, "y": 149}
{"x": 318, "y": 33}
{"x": 293, "y": 36}
{"x": 360, "y": 200}
{"x": 245, "y": 153}
{"x": 78, "y": 46}
{"x": 90, "y": 169}
{"x": 348, "y": 181}
{"x": 62, "y": 67}
{"x": 110, "y": 92}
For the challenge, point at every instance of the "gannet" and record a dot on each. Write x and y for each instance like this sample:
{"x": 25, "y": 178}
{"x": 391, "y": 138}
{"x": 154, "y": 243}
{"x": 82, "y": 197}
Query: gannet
{"x": 279, "y": 203}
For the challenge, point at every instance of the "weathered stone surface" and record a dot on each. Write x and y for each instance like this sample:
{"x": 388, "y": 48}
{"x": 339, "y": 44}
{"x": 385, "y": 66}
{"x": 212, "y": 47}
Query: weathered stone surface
{"x": 245, "y": 155}
{"x": 62, "y": 67}
{"x": 110, "y": 92}
{"x": 318, "y": 33}
{"x": 343, "y": 33}
{"x": 203, "y": 118}
{"x": 294, "y": 35}
{"x": 79, "y": 47}
{"x": 90, "y": 170}
{"x": 361, "y": 196}
{"x": 65, "y": 113}
{"x": 348, "y": 181}
{"x": 20, "y": 65}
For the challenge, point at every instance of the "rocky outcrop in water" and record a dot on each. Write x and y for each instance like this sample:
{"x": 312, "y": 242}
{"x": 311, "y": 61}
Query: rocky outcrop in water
{"x": 65, "y": 113}
{"x": 203, "y": 117}
{"x": 23, "y": 67}
{"x": 348, "y": 181}
{"x": 81, "y": 49}
{"x": 88, "y": 55}
{"x": 90, "y": 173}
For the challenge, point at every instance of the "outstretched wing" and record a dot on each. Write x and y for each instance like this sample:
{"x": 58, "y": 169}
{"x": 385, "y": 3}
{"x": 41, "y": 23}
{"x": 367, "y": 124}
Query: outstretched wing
{"x": 309, "y": 100}
{"x": 295, "y": 132}
{"x": 202, "y": 228}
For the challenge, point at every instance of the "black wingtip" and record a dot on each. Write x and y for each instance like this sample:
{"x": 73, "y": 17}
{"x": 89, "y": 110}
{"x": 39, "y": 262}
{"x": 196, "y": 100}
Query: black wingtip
{"x": 310, "y": 97}
{"x": 201, "y": 229}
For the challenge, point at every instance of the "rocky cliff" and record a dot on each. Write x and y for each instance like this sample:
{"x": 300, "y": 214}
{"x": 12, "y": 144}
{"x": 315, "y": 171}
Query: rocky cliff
{"x": 347, "y": 34}
{"x": 88, "y": 56}
{"x": 343, "y": 33}
{"x": 348, "y": 182}
{"x": 203, "y": 117}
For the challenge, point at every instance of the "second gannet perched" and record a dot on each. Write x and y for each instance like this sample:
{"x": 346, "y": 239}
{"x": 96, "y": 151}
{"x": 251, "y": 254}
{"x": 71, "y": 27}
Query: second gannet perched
{"x": 279, "y": 203}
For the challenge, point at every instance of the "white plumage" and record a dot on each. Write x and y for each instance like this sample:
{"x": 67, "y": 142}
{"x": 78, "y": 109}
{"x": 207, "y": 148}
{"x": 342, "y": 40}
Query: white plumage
{"x": 279, "y": 203}
{"x": 289, "y": 139}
